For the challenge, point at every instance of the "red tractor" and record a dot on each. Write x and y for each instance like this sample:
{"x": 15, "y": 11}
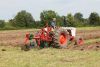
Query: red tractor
{"x": 49, "y": 37}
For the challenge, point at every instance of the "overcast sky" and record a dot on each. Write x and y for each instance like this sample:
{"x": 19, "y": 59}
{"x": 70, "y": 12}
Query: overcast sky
{"x": 9, "y": 8}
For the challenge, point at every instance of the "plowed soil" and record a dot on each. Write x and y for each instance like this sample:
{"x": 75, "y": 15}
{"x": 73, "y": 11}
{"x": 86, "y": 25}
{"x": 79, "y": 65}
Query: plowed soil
{"x": 16, "y": 38}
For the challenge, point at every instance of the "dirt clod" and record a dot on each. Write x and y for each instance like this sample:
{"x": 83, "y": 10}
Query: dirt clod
{"x": 3, "y": 49}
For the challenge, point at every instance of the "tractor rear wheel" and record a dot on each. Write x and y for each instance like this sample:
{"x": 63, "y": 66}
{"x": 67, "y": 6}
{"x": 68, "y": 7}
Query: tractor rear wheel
{"x": 61, "y": 38}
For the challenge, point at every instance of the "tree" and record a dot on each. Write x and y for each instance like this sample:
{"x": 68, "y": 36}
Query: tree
{"x": 94, "y": 18}
{"x": 23, "y": 19}
{"x": 79, "y": 20}
{"x": 2, "y": 23}
{"x": 64, "y": 21}
{"x": 46, "y": 16}
{"x": 70, "y": 20}
{"x": 12, "y": 22}
{"x": 78, "y": 16}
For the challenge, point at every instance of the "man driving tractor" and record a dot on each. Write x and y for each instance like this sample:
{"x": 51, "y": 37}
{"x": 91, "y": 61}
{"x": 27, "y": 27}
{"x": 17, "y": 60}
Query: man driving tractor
{"x": 53, "y": 23}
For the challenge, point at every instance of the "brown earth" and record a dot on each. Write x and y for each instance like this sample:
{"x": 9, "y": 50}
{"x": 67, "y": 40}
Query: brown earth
{"x": 93, "y": 46}
{"x": 88, "y": 34}
{"x": 16, "y": 38}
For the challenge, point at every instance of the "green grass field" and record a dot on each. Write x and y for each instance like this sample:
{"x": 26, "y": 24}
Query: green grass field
{"x": 48, "y": 57}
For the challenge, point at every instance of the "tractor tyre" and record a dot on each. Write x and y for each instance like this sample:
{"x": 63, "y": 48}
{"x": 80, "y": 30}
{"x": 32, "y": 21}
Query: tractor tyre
{"x": 43, "y": 44}
{"x": 61, "y": 38}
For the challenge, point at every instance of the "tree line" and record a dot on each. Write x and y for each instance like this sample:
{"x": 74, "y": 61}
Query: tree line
{"x": 24, "y": 19}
